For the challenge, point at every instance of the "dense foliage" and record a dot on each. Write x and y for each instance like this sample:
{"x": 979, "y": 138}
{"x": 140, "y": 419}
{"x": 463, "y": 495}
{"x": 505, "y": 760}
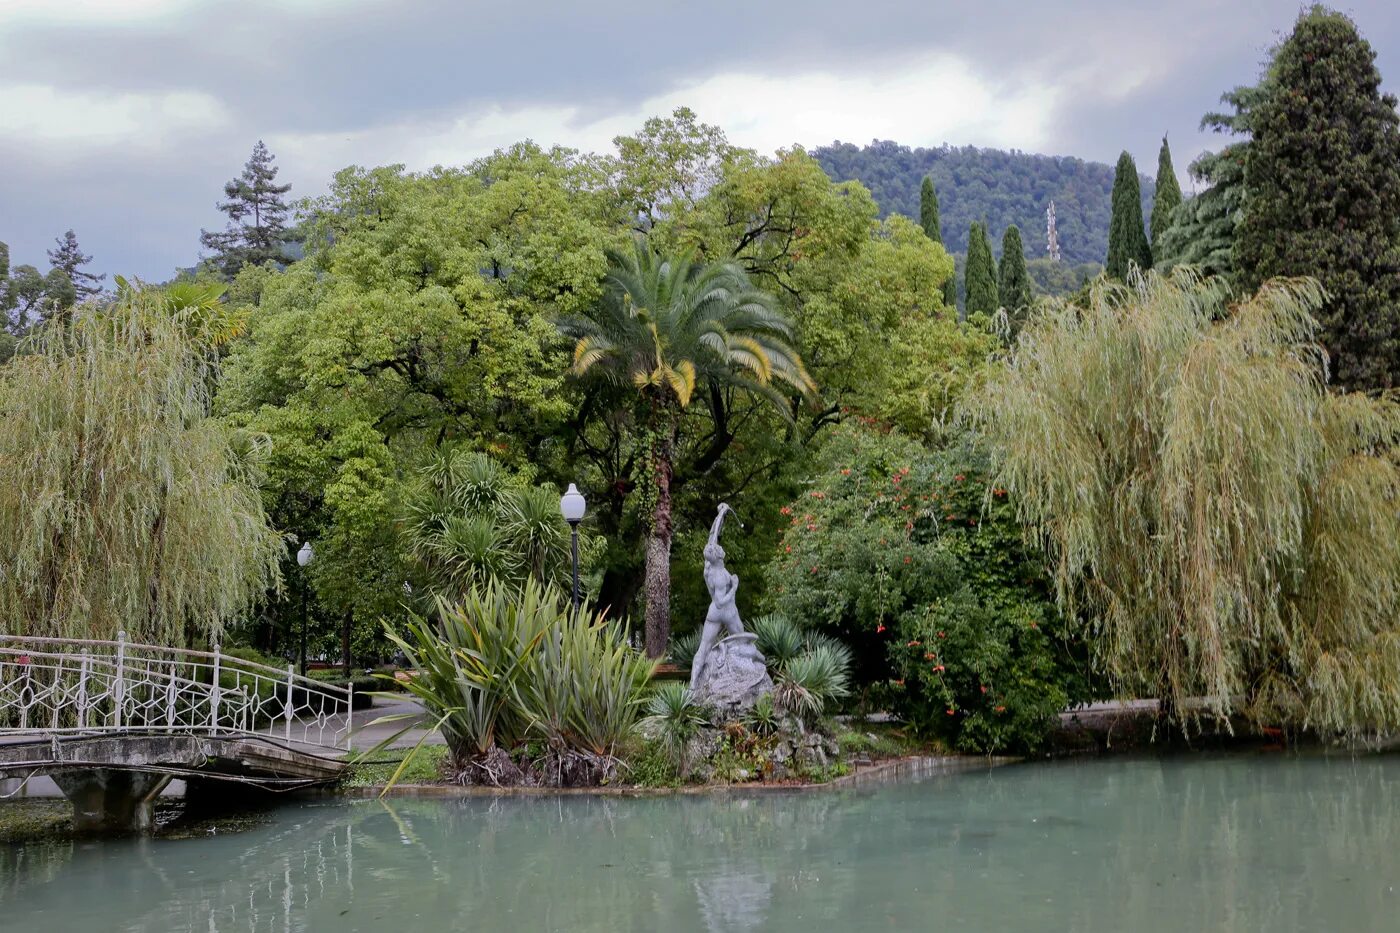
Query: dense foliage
{"x": 1167, "y": 197}
{"x": 1322, "y": 180}
{"x": 933, "y": 227}
{"x": 28, "y": 298}
{"x": 997, "y": 187}
{"x": 1202, "y": 232}
{"x": 1127, "y": 241}
{"x": 126, "y": 507}
{"x": 913, "y": 559}
{"x": 1013, "y": 281}
{"x": 470, "y": 520}
{"x": 980, "y": 276}
{"x": 1226, "y": 522}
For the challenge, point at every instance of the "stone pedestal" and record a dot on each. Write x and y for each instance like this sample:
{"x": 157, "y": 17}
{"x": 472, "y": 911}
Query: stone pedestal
{"x": 734, "y": 676}
{"x": 110, "y": 800}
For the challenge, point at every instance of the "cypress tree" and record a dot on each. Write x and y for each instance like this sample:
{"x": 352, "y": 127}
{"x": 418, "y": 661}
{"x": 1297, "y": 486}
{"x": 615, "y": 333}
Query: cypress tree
{"x": 69, "y": 257}
{"x": 928, "y": 211}
{"x": 1127, "y": 241}
{"x": 980, "y": 277}
{"x": 1013, "y": 281}
{"x": 1202, "y": 231}
{"x": 257, "y": 218}
{"x": 1166, "y": 198}
{"x": 933, "y": 226}
{"x": 1322, "y": 193}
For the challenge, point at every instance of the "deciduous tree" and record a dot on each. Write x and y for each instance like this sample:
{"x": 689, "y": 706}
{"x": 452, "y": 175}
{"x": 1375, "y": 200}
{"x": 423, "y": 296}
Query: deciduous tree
{"x": 1222, "y": 521}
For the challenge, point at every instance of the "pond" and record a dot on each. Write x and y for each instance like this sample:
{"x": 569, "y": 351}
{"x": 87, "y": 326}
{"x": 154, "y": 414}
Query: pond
{"x": 1181, "y": 844}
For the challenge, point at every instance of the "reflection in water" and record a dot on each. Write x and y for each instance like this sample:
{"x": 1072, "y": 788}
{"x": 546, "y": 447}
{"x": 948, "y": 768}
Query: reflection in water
{"x": 1239, "y": 843}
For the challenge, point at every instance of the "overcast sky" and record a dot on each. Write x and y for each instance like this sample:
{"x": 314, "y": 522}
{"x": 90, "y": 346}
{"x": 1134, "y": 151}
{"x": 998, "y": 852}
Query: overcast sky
{"x": 123, "y": 118}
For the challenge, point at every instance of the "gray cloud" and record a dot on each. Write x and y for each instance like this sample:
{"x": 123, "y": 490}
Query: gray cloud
{"x": 1125, "y": 74}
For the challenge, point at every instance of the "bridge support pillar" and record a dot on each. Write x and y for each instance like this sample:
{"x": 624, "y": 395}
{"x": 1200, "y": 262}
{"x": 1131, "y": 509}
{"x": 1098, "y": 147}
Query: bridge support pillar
{"x": 109, "y": 800}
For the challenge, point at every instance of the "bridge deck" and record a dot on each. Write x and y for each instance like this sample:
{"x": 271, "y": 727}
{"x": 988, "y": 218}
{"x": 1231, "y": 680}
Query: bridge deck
{"x": 248, "y": 759}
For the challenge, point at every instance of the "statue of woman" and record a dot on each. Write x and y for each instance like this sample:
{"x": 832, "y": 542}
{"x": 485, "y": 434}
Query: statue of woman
{"x": 723, "y": 587}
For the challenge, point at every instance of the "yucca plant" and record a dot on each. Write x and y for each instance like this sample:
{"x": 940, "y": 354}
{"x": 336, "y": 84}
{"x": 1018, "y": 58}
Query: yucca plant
{"x": 531, "y": 520}
{"x": 676, "y": 718}
{"x": 610, "y": 681}
{"x": 808, "y": 683}
{"x": 681, "y": 651}
{"x": 469, "y": 521}
{"x": 778, "y": 639}
{"x": 763, "y": 718}
{"x": 474, "y": 661}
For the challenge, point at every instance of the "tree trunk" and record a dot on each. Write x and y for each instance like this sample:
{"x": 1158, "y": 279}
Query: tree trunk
{"x": 658, "y": 577}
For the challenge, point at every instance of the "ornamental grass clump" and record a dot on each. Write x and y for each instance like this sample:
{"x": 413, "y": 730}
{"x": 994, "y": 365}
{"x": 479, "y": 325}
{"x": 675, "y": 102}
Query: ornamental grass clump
{"x": 1226, "y": 525}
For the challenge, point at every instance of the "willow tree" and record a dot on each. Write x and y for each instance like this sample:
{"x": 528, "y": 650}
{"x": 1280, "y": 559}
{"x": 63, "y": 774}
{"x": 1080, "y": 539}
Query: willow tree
{"x": 123, "y": 505}
{"x": 1227, "y": 524}
{"x": 666, "y": 329}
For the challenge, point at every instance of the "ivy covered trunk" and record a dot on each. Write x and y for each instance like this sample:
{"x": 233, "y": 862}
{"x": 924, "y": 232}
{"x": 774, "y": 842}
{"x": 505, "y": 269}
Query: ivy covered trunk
{"x": 658, "y": 573}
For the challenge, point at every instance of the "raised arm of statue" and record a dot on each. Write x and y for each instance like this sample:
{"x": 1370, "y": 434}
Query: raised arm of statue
{"x": 718, "y": 523}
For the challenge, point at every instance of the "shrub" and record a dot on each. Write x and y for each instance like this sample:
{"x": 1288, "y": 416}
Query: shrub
{"x": 891, "y": 540}
{"x": 584, "y": 694}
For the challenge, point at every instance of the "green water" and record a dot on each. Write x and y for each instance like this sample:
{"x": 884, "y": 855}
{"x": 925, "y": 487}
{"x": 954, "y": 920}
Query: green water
{"x": 1183, "y": 844}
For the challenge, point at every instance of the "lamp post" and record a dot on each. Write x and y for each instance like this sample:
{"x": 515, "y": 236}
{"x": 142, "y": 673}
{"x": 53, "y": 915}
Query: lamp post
{"x": 572, "y": 506}
{"x": 304, "y": 558}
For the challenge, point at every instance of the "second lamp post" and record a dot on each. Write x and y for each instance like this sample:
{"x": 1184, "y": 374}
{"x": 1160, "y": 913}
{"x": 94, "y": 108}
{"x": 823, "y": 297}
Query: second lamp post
{"x": 572, "y": 506}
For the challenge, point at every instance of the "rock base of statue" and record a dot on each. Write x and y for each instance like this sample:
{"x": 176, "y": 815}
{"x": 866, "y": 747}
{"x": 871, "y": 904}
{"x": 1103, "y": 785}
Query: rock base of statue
{"x": 734, "y": 677}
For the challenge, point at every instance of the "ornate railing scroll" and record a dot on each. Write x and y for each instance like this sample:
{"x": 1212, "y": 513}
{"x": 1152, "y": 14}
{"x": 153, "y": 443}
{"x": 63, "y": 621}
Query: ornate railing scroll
{"x": 58, "y": 686}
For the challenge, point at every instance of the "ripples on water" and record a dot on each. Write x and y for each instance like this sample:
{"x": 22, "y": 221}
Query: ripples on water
{"x": 1181, "y": 844}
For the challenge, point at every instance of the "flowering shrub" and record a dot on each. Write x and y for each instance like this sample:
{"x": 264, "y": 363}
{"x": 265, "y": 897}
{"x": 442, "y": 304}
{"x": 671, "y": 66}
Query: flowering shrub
{"x": 909, "y": 557}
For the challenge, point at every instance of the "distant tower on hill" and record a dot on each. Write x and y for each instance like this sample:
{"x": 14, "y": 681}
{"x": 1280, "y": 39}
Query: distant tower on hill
{"x": 1052, "y": 236}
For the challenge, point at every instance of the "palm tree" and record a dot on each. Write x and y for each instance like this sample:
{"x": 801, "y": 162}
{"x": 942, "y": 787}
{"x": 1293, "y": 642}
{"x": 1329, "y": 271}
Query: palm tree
{"x": 664, "y": 326}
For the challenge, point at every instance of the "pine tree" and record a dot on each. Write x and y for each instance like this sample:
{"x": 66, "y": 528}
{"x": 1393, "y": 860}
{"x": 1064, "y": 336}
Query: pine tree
{"x": 1322, "y": 193}
{"x": 1166, "y": 198}
{"x": 1013, "y": 281}
{"x": 257, "y": 218}
{"x": 933, "y": 226}
{"x": 980, "y": 277}
{"x": 1202, "y": 232}
{"x": 28, "y": 297}
{"x": 1127, "y": 241}
{"x": 69, "y": 258}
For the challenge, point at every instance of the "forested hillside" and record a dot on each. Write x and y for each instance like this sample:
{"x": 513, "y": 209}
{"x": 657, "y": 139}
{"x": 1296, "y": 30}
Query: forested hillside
{"x": 990, "y": 185}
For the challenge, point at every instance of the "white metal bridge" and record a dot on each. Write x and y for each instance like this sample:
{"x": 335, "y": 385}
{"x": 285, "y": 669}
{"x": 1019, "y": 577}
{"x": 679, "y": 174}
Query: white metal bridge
{"x": 70, "y": 707}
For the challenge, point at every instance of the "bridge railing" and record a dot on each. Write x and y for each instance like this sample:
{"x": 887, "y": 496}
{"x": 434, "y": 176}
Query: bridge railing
{"x": 57, "y": 686}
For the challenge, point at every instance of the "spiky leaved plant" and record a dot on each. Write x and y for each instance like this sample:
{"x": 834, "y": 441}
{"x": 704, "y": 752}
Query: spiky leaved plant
{"x": 676, "y": 718}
